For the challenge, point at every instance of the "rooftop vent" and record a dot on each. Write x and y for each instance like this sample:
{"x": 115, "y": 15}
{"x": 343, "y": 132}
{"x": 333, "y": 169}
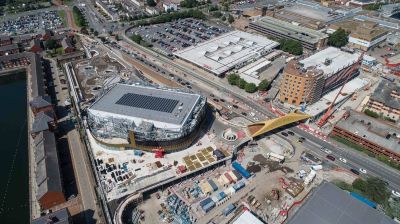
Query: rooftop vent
{"x": 328, "y": 61}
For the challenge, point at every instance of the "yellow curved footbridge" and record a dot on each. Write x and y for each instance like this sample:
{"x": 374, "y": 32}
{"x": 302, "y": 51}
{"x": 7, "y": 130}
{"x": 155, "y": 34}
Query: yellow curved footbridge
{"x": 263, "y": 127}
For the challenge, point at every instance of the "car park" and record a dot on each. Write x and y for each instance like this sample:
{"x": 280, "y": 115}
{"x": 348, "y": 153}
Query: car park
{"x": 179, "y": 34}
{"x": 330, "y": 157}
{"x": 32, "y": 23}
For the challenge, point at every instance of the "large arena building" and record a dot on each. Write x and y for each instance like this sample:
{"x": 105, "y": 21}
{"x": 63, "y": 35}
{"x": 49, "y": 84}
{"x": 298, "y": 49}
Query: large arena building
{"x": 145, "y": 117}
{"x": 229, "y": 51}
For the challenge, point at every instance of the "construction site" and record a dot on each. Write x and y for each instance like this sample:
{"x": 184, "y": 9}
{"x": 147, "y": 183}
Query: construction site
{"x": 259, "y": 181}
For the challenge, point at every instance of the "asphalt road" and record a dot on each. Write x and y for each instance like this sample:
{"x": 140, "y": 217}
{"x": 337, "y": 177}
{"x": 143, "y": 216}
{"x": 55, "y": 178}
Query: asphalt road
{"x": 372, "y": 166}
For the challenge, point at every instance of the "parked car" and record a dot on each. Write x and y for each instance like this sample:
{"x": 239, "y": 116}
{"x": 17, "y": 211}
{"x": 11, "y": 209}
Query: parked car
{"x": 331, "y": 157}
{"x": 301, "y": 139}
{"x": 327, "y": 151}
{"x": 291, "y": 133}
{"x": 396, "y": 193}
{"x": 364, "y": 171}
{"x": 355, "y": 171}
{"x": 343, "y": 160}
{"x": 284, "y": 134}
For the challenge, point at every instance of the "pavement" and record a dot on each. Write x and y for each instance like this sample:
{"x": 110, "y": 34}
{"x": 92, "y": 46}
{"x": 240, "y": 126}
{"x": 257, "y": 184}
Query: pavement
{"x": 84, "y": 178}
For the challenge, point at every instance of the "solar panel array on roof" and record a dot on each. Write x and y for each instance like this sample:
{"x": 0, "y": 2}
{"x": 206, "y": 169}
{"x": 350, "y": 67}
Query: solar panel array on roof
{"x": 148, "y": 102}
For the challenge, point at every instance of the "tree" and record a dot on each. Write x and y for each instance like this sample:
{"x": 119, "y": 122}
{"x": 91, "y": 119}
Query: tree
{"x": 137, "y": 38}
{"x": 233, "y": 79}
{"x": 213, "y": 8}
{"x": 217, "y": 14}
{"x": 79, "y": 18}
{"x": 223, "y": 18}
{"x": 189, "y": 3}
{"x": 51, "y": 44}
{"x": 151, "y": 3}
{"x": 371, "y": 113}
{"x": 291, "y": 46}
{"x": 241, "y": 83}
{"x": 250, "y": 87}
{"x": 359, "y": 184}
{"x": 263, "y": 86}
{"x": 231, "y": 19}
{"x": 339, "y": 38}
{"x": 376, "y": 190}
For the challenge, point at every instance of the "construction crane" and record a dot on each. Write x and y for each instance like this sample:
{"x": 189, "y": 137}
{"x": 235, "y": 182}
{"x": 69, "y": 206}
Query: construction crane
{"x": 329, "y": 111}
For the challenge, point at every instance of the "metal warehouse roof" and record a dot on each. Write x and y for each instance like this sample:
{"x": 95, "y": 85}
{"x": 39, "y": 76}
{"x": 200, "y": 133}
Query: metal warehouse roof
{"x": 223, "y": 53}
{"x": 331, "y": 205}
{"x": 301, "y": 33}
{"x": 147, "y": 103}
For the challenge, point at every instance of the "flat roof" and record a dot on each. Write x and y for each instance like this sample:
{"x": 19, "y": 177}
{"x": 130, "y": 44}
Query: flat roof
{"x": 383, "y": 94}
{"x": 223, "y": 53}
{"x": 247, "y": 217}
{"x": 338, "y": 60}
{"x": 322, "y": 105}
{"x": 298, "y": 32}
{"x": 329, "y": 204}
{"x": 372, "y": 129}
{"x": 150, "y": 103}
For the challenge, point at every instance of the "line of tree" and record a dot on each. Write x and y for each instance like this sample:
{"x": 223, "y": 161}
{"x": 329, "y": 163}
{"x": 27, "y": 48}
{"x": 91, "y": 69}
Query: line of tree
{"x": 168, "y": 17}
{"x": 138, "y": 39}
{"x": 189, "y": 3}
{"x": 151, "y": 3}
{"x": 373, "y": 7}
{"x": 234, "y": 79}
{"x": 79, "y": 17}
{"x": 339, "y": 38}
{"x": 291, "y": 46}
{"x": 374, "y": 189}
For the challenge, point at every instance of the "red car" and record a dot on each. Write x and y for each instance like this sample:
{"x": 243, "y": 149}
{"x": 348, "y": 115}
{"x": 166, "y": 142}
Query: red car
{"x": 331, "y": 157}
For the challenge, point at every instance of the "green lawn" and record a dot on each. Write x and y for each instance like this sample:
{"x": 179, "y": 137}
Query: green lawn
{"x": 63, "y": 17}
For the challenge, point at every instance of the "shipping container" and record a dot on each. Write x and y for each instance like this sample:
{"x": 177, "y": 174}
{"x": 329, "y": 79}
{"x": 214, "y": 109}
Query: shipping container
{"x": 361, "y": 198}
{"x": 229, "y": 177}
{"x": 232, "y": 190}
{"x": 217, "y": 153}
{"x": 226, "y": 180}
{"x": 213, "y": 185}
{"x": 316, "y": 167}
{"x": 241, "y": 170}
{"x": 229, "y": 209}
{"x": 237, "y": 174}
{"x": 238, "y": 186}
{"x": 221, "y": 195}
{"x": 138, "y": 153}
{"x": 206, "y": 208}
{"x": 205, "y": 201}
{"x": 233, "y": 176}
{"x": 205, "y": 187}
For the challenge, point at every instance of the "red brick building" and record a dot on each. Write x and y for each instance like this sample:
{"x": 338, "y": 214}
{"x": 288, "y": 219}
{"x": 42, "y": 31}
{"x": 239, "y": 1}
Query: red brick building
{"x": 5, "y": 40}
{"x": 36, "y": 46}
{"x": 378, "y": 137}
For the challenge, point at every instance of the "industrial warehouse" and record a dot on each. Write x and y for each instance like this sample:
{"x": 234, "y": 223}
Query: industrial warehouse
{"x": 145, "y": 117}
{"x": 228, "y": 51}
